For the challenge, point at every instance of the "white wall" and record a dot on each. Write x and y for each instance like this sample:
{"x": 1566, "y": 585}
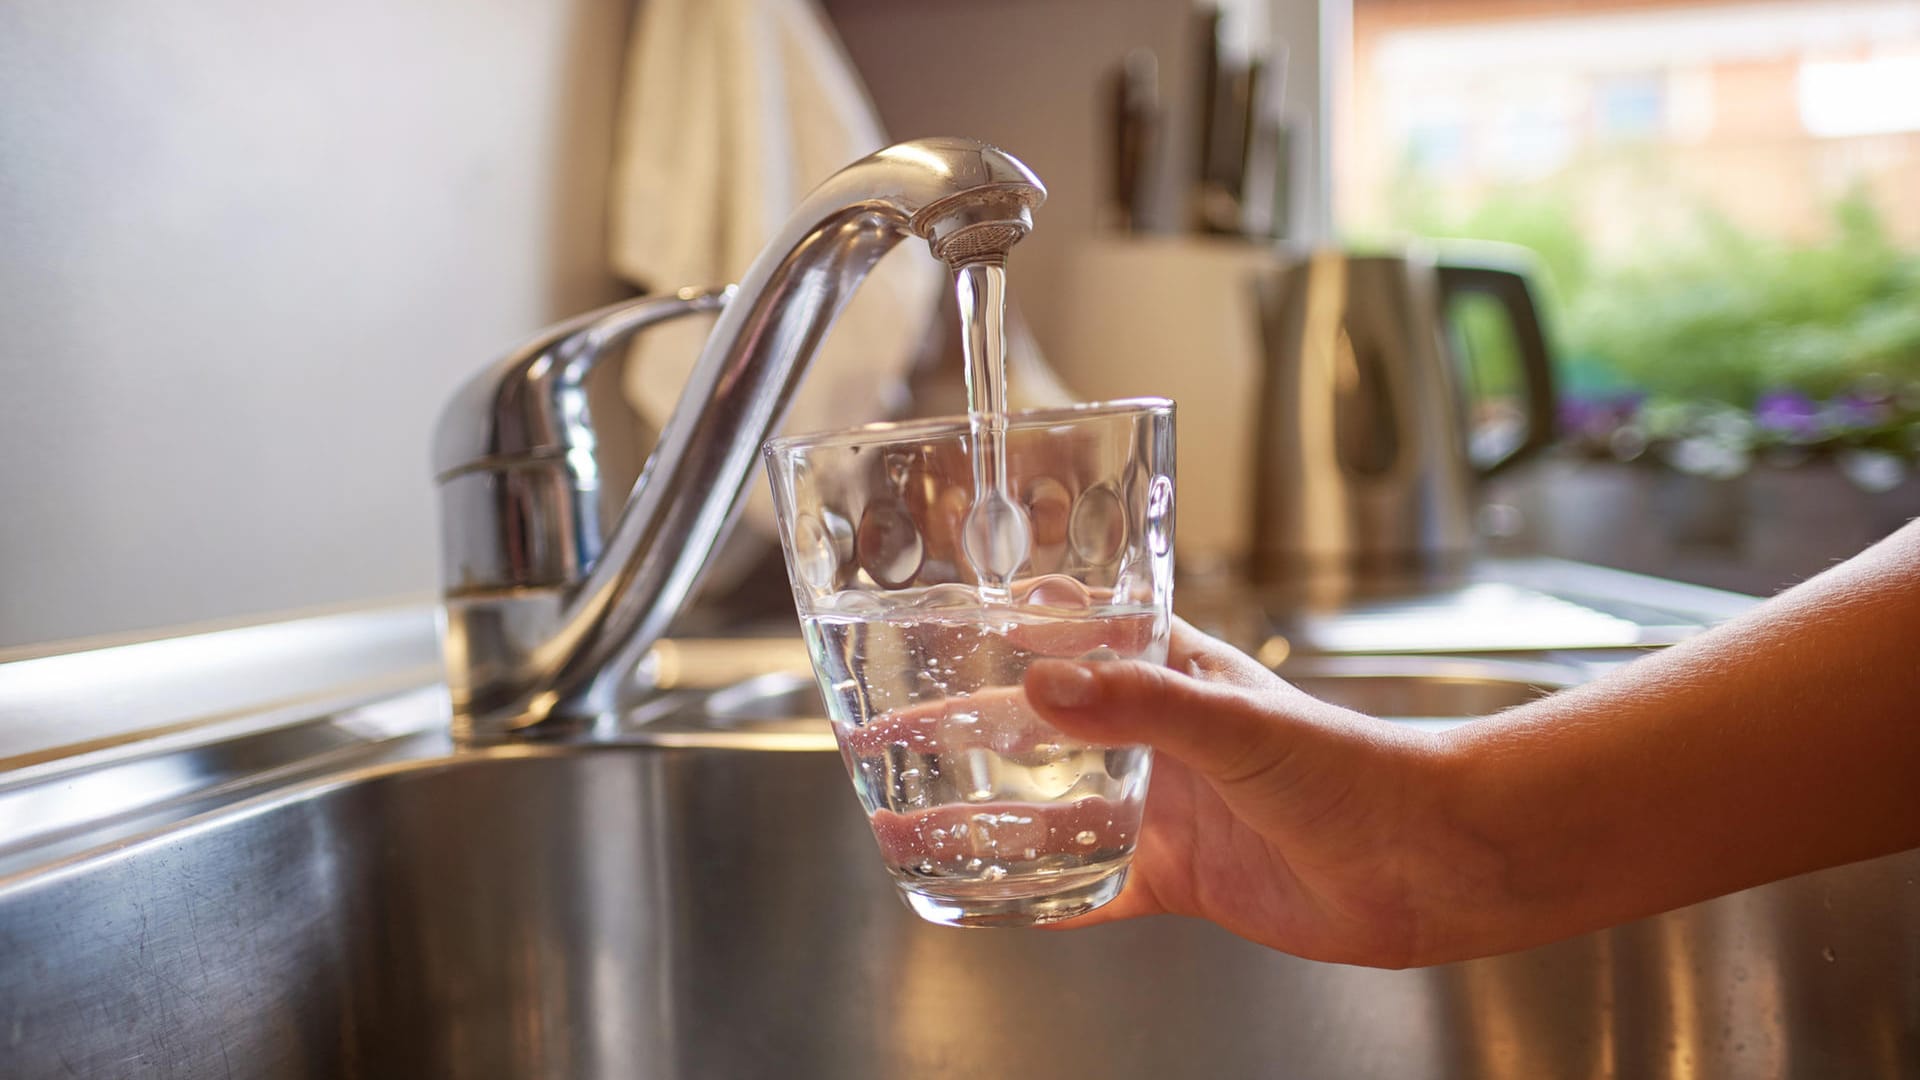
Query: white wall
{"x": 1030, "y": 75}
{"x": 246, "y": 250}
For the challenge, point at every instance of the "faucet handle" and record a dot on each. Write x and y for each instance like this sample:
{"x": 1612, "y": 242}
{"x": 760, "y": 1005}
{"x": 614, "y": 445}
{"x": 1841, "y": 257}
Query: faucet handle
{"x": 515, "y": 452}
{"x": 528, "y": 404}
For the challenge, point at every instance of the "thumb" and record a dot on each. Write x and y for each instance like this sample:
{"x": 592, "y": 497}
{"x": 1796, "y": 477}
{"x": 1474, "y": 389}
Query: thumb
{"x": 1220, "y": 730}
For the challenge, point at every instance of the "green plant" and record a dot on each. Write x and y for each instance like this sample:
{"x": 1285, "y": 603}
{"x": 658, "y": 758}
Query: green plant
{"x": 1714, "y": 313}
{"x": 1732, "y": 315}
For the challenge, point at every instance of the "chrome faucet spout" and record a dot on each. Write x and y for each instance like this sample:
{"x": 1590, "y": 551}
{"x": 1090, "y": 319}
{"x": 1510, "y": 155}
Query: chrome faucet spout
{"x": 547, "y": 627}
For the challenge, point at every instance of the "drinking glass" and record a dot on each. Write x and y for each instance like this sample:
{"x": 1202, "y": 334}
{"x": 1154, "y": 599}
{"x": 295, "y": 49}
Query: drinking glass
{"x": 984, "y": 814}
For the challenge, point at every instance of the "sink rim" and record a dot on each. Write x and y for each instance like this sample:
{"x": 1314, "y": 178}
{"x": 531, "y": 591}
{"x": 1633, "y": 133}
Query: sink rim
{"x": 1553, "y": 674}
{"x": 41, "y": 834}
{"x": 362, "y": 740}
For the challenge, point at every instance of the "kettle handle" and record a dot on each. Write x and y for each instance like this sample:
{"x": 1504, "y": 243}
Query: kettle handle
{"x": 1509, "y": 288}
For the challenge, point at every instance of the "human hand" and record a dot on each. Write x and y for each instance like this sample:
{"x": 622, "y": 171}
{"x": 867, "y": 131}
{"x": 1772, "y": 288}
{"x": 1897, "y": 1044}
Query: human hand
{"x": 1291, "y": 822}
{"x": 1775, "y": 744}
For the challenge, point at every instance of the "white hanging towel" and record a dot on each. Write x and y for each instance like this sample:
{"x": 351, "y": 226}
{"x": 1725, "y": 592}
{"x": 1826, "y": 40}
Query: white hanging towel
{"x": 732, "y": 111}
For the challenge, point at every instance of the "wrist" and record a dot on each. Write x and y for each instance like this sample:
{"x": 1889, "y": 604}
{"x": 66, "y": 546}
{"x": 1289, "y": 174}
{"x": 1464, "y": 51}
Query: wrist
{"x": 1464, "y": 858}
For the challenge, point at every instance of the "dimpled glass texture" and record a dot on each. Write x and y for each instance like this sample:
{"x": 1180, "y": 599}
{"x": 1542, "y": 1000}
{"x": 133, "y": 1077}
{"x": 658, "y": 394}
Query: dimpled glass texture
{"x": 984, "y": 814}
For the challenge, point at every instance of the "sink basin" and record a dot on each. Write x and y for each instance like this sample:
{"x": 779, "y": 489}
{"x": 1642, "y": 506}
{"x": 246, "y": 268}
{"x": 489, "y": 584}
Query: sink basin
{"x": 228, "y": 875}
{"x": 1428, "y": 692}
{"x": 653, "y": 911}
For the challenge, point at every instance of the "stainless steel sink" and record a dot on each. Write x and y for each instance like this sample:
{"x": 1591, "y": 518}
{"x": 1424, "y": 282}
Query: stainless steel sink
{"x": 703, "y": 900}
{"x": 1431, "y": 692}
{"x": 243, "y": 854}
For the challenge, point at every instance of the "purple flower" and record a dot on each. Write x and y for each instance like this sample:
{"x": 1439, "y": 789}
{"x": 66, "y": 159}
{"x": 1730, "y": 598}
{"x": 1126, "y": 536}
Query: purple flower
{"x": 1854, "y": 411}
{"x": 1787, "y": 412}
{"x": 1583, "y": 418}
{"x": 1597, "y": 418}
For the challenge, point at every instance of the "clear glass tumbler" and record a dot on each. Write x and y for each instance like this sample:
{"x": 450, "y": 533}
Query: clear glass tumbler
{"x": 984, "y": 814}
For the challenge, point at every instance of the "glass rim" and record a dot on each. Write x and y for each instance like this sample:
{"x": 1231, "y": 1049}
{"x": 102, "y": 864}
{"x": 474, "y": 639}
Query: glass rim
{"x": 959, "y": 424}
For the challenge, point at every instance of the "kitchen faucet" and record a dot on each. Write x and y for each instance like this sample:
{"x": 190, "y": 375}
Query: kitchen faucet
{"x": 549, "y": 613}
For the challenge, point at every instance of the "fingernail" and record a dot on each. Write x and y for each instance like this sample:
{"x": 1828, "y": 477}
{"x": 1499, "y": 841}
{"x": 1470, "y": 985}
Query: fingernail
{"x": 1061, "y": 684}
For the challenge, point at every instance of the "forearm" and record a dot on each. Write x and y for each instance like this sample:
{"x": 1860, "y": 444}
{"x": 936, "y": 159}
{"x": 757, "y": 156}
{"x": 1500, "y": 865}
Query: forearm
{"x": 1786, "y": 741}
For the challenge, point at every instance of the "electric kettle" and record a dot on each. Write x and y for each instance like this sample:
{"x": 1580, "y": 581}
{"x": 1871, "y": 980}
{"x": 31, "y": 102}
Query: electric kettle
{"x": 1366, "y": 458}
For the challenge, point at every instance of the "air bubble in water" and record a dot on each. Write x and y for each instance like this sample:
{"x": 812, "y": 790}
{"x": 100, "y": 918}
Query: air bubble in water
{"x": 1085, "y": 838}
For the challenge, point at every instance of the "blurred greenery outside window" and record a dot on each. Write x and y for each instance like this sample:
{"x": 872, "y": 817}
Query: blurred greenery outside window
{"x": 1723, "y": 201}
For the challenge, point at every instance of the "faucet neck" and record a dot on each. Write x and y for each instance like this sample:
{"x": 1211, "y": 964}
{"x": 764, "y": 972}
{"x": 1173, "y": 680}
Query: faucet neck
{"x": 526, "y": 664}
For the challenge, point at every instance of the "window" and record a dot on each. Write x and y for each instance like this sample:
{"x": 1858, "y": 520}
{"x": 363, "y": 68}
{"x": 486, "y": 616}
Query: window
{"x": 1628, "y": 106}
{"x": 1876, "y": 96}
{"x": 1724, "y": 196}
